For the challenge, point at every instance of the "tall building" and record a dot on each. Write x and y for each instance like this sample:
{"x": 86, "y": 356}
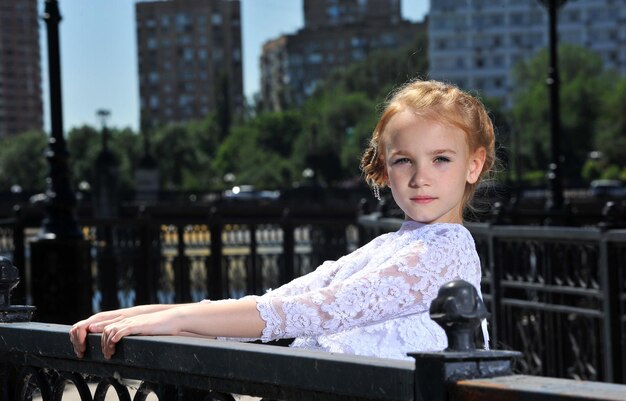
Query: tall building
{"x": 476, "y": 43}
{"x": 336, "y": 34}
{"x": 324, "y": 13}
{"x": 21, "y": 107}
{"x": 190, "y": 60}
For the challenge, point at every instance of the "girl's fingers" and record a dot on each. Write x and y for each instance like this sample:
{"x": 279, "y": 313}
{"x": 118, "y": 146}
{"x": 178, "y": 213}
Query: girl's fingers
{"x": 94, "y": 324}
{"x": 112, "y": 334}
{"x": 99, "y": 326}
{"x": 78, "y": 334}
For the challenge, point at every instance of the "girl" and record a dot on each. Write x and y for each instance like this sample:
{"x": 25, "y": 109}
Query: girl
{"x": 432, "y": 146}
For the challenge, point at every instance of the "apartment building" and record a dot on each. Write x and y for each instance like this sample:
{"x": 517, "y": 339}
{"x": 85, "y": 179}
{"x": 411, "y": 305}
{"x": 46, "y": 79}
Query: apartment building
{"x": 21, "y": 107}
{"x": 190, "y": 59}
{"x": 476, "y": 43}
{"x": 336, "y": 34}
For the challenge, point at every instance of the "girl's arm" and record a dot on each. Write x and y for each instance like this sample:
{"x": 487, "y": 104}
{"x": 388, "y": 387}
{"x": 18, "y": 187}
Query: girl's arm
{"x": 403, "y": 285}
{"x": 94, "y": 324}
{"x": 323, "y": 274}
{"x": 236, "y": 318}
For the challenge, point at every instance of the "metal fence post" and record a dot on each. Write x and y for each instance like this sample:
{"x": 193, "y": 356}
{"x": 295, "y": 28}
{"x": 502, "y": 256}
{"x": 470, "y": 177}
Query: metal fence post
{"x": 459, "y": 310}
{"x": 287, "y": 269}
{"x": 19, "y": 249}
{"x": 496, "y": 287}
{"x": 9, "y": 278}
{"x": 182, "y": 288}
{"x": 215, "y": 285}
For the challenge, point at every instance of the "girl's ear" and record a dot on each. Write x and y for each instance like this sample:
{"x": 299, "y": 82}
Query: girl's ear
{"x": 385, "y": 175}
{"x": 475, "y": 166}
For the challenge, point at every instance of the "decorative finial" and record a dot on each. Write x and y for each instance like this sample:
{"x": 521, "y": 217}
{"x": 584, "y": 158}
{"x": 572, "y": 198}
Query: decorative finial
{"x": 459, "y": 310}
{"x": 9, "y": 278}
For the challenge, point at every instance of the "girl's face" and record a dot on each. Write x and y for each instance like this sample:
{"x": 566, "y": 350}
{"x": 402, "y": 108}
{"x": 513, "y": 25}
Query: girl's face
{"x": 427, "y": 167}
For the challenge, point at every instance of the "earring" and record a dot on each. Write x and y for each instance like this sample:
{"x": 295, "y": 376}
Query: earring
{"x": 376, "y": 191}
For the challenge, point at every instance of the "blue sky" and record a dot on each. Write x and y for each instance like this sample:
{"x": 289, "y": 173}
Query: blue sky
{"x": 99, "y": 53}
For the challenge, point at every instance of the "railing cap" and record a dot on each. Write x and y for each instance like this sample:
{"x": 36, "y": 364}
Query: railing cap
{"x": 459, "y": 309}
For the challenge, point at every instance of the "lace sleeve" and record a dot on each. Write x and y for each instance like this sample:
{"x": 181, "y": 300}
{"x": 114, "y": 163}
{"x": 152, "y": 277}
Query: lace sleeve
{"x": 324, "y": 273}
{"x": 405, "y": 284}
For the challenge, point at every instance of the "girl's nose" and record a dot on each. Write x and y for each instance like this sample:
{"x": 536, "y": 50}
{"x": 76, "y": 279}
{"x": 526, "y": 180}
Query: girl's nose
{"x": 419, "y": 178}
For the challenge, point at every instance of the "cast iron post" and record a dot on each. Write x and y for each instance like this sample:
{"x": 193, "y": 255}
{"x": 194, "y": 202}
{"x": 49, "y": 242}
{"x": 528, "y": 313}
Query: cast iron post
{"x": 60, "y": 222}
{"x": 459, "y": 310}
{"x": 61, "y": 285}
{"x": 555, "y": 175}
{"x": 105, "y": 203}
{"x": 9, "y": 279}
{"x": 105, "y": 199}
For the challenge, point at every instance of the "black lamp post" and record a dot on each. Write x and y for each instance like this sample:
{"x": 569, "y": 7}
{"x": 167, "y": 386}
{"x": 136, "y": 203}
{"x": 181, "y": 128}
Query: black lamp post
{"x": 60, "y": 222}
{"x": 105, "y": 199}
{"x": 60, "y": 258}
{"x": 555, "y": 175}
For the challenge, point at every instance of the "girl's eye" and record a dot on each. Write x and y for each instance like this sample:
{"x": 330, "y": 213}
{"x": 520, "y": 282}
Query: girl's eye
{"x": 402, "y": 160}
{"x": 441, "y": 159}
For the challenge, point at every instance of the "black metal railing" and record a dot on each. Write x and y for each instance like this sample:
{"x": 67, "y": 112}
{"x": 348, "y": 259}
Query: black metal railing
{"x": 37, "y": 362}
{"x": 164, "y": 255}
{"x": 557, "y": 294}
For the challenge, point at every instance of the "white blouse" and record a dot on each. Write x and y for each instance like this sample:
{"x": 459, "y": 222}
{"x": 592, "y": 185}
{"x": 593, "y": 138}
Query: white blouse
{"x": 375, "y": 301}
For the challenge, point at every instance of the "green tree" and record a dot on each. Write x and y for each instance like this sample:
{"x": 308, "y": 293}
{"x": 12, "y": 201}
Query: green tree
{"x": 184, "y": 153}
{"x": 611, "y": 126}
{"x": 127, "y": 146}
{"x": 22, "y": 161}
{"x": 258, "y": 151}
{"x": 243, "y": 154}
{"x": 583, "y": 85}
{"x": 276, "y": 131}
{"x": 339, "y": 125}
{"x": 85, "y": 144}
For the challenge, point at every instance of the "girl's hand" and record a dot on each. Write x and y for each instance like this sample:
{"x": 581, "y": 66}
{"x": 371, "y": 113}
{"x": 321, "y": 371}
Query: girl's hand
{"x": 97, "y": 323}
{"x": 152, "y": 324}
{"x": 94, "y": 324}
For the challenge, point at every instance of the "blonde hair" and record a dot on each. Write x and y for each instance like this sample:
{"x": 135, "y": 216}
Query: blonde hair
{"x": 440, "y": 102}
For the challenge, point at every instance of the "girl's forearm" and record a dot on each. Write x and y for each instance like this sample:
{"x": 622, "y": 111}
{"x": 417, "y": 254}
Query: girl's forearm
{"x": 235, "y": 318}
{"x": 141, "y": 309}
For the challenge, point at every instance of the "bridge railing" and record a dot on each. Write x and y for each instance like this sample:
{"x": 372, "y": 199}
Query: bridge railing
{"x": 557, "y": 294}
{"x": 37, "y": 362}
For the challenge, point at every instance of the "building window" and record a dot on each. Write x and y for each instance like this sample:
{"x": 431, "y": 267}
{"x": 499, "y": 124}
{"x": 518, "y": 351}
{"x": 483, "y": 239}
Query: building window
{"x": 315, "y": 58}
{"x": 183, "y": 22}
{"x": 216, "y": 19}
{"x": 188, "y": 54}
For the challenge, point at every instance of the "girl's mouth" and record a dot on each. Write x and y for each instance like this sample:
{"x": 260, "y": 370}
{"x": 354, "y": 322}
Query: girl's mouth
{"x": 422, "y": 199}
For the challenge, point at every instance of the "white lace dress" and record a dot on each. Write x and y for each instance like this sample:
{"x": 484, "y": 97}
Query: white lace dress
{"x": 374, "y": 301}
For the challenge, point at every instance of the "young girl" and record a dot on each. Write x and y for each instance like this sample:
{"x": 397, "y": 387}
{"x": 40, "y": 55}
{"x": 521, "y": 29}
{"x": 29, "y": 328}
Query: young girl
{"x": 431, "y": 147}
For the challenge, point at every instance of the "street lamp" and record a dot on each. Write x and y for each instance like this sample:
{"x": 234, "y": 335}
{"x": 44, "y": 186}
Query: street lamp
{"x": 555, "y": 180}
{"x": 105, "y": 196}
{"x": 103, "y": 115}
{"x": 60, "y": 222}
{"x": 60, "y": 280}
